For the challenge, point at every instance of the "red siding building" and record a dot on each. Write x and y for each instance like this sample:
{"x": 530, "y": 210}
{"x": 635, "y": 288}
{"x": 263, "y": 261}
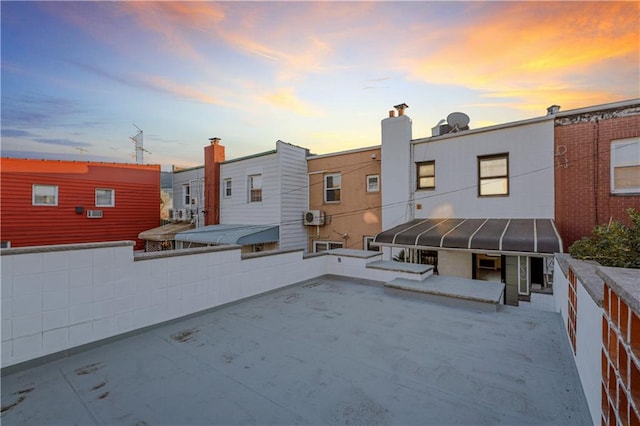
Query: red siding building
{"x": 47, "y": 202}
{"x": 597, "y": 176}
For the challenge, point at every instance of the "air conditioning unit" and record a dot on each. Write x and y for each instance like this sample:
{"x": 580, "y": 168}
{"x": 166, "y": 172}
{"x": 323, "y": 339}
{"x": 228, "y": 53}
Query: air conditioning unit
{"x": 180, "y": 214}
{"x": 313, "y": 217}
{"x": 94, "y": 214}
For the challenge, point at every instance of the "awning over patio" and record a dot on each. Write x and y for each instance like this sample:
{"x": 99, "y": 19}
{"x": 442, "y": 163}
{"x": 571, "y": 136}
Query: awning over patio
{"x": 504, "y": 235}
{"x": 231, "y": 234}
{"x": 165, "y": 232}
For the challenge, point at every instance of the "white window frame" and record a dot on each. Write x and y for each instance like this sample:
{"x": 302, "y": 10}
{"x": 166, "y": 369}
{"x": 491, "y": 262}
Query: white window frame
{"x": 255, "y": 190}
{"x": 227, "y": 188}
{"x": 35, "y": 195}
{"x": 336, "y": 189}
{"x": 327, "y": 245}
{"x": 376, "y": 184}
{"x": 112, "y": 200}
{"x": 624, "y": 160}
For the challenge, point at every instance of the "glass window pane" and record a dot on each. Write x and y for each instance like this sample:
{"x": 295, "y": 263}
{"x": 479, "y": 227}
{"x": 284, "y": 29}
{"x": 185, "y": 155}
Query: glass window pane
{"x": 626, "y": 154}
{"x": 427, "y": 182}
{"x": 497, "y": 186}
{"x": 627, "y": 177}
{"x": 426, "y": 169}
{"x": 493, "y": 167}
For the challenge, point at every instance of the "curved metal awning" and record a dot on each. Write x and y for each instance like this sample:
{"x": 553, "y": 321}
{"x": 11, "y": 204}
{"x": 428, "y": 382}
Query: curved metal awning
{"x": 503, "y": 235}
{"x": 231, "y": 234}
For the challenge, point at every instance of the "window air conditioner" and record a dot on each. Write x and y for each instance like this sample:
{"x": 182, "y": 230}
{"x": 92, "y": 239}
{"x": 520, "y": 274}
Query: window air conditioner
{"x": 313, "y": 217}
{"x": 94, "y": 214}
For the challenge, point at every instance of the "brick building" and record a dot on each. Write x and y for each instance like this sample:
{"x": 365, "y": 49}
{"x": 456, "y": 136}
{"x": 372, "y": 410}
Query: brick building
{"x": 597, "y": 173}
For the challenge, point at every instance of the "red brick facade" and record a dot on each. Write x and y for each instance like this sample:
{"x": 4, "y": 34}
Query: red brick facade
{"x": 583, "y": 195}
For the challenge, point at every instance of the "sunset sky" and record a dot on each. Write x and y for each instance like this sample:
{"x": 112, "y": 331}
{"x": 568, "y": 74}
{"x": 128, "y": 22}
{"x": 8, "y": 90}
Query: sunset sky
{"x": 77, "y": 76}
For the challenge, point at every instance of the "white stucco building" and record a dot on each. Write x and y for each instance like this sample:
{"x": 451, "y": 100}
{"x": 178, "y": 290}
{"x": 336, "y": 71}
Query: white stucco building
{"x": 478, "y": 203}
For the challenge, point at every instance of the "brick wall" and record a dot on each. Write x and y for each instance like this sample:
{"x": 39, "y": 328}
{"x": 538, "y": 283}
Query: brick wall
{"x": 582, "y": 175}
{"x": 620, "y": 361}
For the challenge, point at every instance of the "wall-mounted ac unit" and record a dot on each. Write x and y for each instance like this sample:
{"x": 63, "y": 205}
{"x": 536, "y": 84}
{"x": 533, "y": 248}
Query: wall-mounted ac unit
{"x": 313, "y": 217}
{"x": 180, "y": 214}
{"x": 94, "y": 214}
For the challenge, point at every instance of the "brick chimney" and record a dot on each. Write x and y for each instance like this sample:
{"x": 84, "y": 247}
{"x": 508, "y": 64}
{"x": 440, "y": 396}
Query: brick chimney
{"x": 213, "y": 156}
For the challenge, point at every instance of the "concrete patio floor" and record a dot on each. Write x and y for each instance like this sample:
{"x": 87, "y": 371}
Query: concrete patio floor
{"x": 331, "y": 351}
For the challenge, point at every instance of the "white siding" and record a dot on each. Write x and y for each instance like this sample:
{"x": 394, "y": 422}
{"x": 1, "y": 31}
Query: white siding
{"x": 284, "y": 193}
{"x": 531, "y": 181}
{"x": 293, "y": 190}
{"x": 237, "y": 209}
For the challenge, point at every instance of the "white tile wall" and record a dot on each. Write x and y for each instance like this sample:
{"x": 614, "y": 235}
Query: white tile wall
{"x": 53, "y": 301}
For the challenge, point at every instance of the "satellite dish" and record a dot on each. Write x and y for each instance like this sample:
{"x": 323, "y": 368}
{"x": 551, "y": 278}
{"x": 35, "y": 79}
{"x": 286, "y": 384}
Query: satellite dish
{"x": 458, "y": 121}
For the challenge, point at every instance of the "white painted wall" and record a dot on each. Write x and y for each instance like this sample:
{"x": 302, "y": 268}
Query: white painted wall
{"x": 284, "y": 192}
{"x": 588, "y": 337}
{"x": 237, "y": 209}
{"x": 395, "y": 171}
{"x": 293, "y": 195}
{"x": 531, "y": 181}
{"x": 56, "y": 300}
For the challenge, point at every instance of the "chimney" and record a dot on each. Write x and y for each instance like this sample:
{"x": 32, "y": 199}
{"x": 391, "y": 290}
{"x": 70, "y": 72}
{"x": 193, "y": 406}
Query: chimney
{"x": 401, "y": 108}
{"x": 213, "y": 156}
{"x": 553, "y": 109}
{"x": 392, "y": 113}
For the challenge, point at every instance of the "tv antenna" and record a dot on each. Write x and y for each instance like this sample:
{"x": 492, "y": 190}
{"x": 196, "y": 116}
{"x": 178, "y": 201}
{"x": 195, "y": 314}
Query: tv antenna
{"x": 82, "y": 150}
{"x": 138, "y": 147}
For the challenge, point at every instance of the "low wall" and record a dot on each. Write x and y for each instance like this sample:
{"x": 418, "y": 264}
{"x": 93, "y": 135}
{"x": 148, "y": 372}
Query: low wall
{"x": 55, "y": 298}
{"x": 599, "y": 314}
{"x": 621, "y": 346}
{"x": 58, "y": 297}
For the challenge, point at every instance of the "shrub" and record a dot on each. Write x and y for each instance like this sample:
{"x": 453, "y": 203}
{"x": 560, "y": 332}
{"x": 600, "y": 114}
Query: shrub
{"x": 612, "y": 245}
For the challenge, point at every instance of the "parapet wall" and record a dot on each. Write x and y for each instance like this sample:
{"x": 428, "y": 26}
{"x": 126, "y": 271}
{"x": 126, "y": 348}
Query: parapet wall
{"x": 58, "y": 298}
{"x": 592, "y": 298}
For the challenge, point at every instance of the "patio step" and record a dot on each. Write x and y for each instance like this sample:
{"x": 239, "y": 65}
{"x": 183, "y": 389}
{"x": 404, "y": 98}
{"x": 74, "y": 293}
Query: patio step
{"x": 408, "y": 271}
{"x": 484, "y": 295}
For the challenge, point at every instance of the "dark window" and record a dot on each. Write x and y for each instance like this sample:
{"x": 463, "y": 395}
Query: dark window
{"x": 493, "y": 175}
{"x": 426, "y": 175}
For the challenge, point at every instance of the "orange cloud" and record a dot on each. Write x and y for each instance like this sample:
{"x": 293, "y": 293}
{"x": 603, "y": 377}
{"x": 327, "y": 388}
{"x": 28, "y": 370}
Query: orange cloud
{"x": 525, "y": 50}
{"x": 286, "y": 98}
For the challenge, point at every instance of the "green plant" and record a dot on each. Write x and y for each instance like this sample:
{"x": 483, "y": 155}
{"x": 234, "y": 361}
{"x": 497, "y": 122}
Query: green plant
{"x": 614, "y": 244}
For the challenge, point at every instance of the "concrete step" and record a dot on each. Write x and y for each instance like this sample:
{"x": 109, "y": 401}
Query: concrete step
{"x": 453, "y": 291}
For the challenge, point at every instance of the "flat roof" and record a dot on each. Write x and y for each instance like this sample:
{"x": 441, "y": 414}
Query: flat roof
{"x": 327, "y": 351}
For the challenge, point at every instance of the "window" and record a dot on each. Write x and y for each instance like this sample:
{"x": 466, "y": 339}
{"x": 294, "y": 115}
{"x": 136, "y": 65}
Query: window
{"x": 5, "y": 244}
{"x": 493, "y": 175}
{"x": 373, "y": 183}
{"x": 186, "y": 195}
{"x": 625, "y": 166}
{"x": 255, "y": 188}
{"x": 105, "y": 198}
{"x": 319, "y": 246}
{"x": 227, "y": 188}
{"x": 426, "y": 175}
{"x": 366, "y": 244}
{"x": 332, "y": 188}
{"x": 45, "y": 195}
